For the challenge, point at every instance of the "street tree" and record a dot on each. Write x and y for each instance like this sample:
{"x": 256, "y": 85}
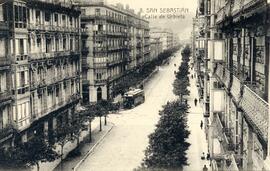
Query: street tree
{"x": 180, "y": 88}
{"x": 38, "y": 150}
{"x": 30, "y": 153}
{"x": 168, "y": 144}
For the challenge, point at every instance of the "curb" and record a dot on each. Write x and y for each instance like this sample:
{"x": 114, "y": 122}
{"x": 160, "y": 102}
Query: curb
{"x": 92, "y": 149}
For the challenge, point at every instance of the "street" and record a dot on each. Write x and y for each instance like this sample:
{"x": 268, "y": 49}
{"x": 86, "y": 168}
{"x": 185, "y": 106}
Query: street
{"x": 123, "y": 148}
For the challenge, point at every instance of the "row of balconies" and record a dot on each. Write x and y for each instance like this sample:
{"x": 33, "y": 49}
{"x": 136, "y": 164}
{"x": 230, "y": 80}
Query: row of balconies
{"x": 122, "y": 34}
{"x": 223, "y": 134}
{"x": 101, "y": 81}
{"x": 4, "y": 27}
{"x": 6, "y": 133}
{"x": 52, "y": 28}
{"x": 255, "y": 108}
{"x": 235, "y": 8}
{"x": 104, "y": 17}
{"x": 61, "y": 102}
{"x": 55, "y": 3}
{"x": 4, "y": 61}
{"x": 42, "y": 55}
{"x": 49, "y": 81}
{"x": 5, "y": 96}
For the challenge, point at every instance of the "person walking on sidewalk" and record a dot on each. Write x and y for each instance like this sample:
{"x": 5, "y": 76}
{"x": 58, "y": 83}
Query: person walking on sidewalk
{"x": 205, "y": 168}
{"x": 201, "y": 124}
{"x": 195, "y": 101}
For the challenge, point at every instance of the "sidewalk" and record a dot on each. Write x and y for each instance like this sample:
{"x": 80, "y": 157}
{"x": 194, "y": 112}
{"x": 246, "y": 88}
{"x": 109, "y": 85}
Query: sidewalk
{"x": 197, "y": 137}
{"x": 85, "y": 146}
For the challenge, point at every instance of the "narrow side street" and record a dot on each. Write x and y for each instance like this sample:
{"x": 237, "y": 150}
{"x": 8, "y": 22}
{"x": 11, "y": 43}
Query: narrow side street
{"x": 123, "y": 148}
{"x": 197, "y": 138}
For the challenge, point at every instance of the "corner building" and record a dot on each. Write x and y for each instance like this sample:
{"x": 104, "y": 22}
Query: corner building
{"x": 43, "y": 53}
{"x": 115, "y": 41}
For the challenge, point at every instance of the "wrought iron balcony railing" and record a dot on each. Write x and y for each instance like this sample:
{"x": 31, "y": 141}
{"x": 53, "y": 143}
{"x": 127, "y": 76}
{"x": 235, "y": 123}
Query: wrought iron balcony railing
{"x": 6, "y": 133}
{"x": 256, "y": 111}
{"x": 236, "y": 88}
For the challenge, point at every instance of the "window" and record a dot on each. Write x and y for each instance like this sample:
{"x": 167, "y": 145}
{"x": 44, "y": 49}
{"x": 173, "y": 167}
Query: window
{"x": 22, "y": 78}
{"x": 21, "y": 46}
{"x": 71, "y": 44}
{"x": 1, "y": 13}
{"x": 71, "y": 21}
{"x": 47, "y": 17}
{"x": 63, "y": 20}
{"x": 38, "y": 17}
{"x": 48, "y": 45}
{"x": 20, "y": 16}
{"x": 64, "y": 43}
{"x": 97, "y": 12}
{"x": 260, "y": 50}
{"x": 38, "y": 42}
{"x": 56, "y": 18}
{"x": 57, "y": 91}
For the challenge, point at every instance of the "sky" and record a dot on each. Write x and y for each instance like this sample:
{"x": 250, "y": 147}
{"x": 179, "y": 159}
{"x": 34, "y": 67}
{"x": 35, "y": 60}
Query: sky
{"x": 181, "y": 26}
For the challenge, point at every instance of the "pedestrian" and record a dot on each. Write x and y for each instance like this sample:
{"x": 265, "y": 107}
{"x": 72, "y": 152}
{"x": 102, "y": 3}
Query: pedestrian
{"x": 203, "y": 157}
{"x": 195, "y": 101}
{"x": 201, "y": 124}
{"x": 208, "y": 156}
{"x": 191, "y": 76}
{"x": 205, "y": 168}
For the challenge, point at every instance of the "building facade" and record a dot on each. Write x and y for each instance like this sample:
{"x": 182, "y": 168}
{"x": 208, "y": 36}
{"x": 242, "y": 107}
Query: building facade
{"x": 156, "y": 47}
{"x": 5, "y": 79}
{"x": 231, "y": 50}
{"x": 166, "y": 36}
{"x": 40, "y": 63}
{"x": 115, "y": 40}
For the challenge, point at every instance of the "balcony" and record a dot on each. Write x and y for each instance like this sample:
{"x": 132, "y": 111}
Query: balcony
{"x": 5, "y": 97}
{"x": 226, "y": 78}
{"x": 256, "y": 111}
{"x": 6, "y": 133}
{"x": 236, "y": 88}
{"x": 250, "y": 3}
{"x": 100, "y": 50}
{"x": 236, "y": 8}
{"x": 84, "y": 31}
{"x": 54, "y": 107}
{"x": 115, "y": 62}
{"x": 219, "y": 71}
{"x": 139, "y": 45}
{"x": 220, "y": 15}
{"x": 3, "y": 27}
{"x": 223, "y": 75}
{"x": 4, "y": 63}
{"x": 68, "y": 6}
{"x": 85, "y": 49}
{"x": 100, "y": 81}
{"x": 100, "y": 65}
{"x": 223, "y": 135}
{"x": 118, "y": 34}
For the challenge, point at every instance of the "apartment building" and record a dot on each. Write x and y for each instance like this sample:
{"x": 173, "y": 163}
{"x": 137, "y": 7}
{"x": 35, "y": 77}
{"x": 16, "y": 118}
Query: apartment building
{"x": 5, "y": 79}
{"x": 232, "y": 62}
{"x": 115, "y": 40}
{"x": 167, "y": 37}
{"x": 155, "y": 47}
{"x": 42, "y": 50}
